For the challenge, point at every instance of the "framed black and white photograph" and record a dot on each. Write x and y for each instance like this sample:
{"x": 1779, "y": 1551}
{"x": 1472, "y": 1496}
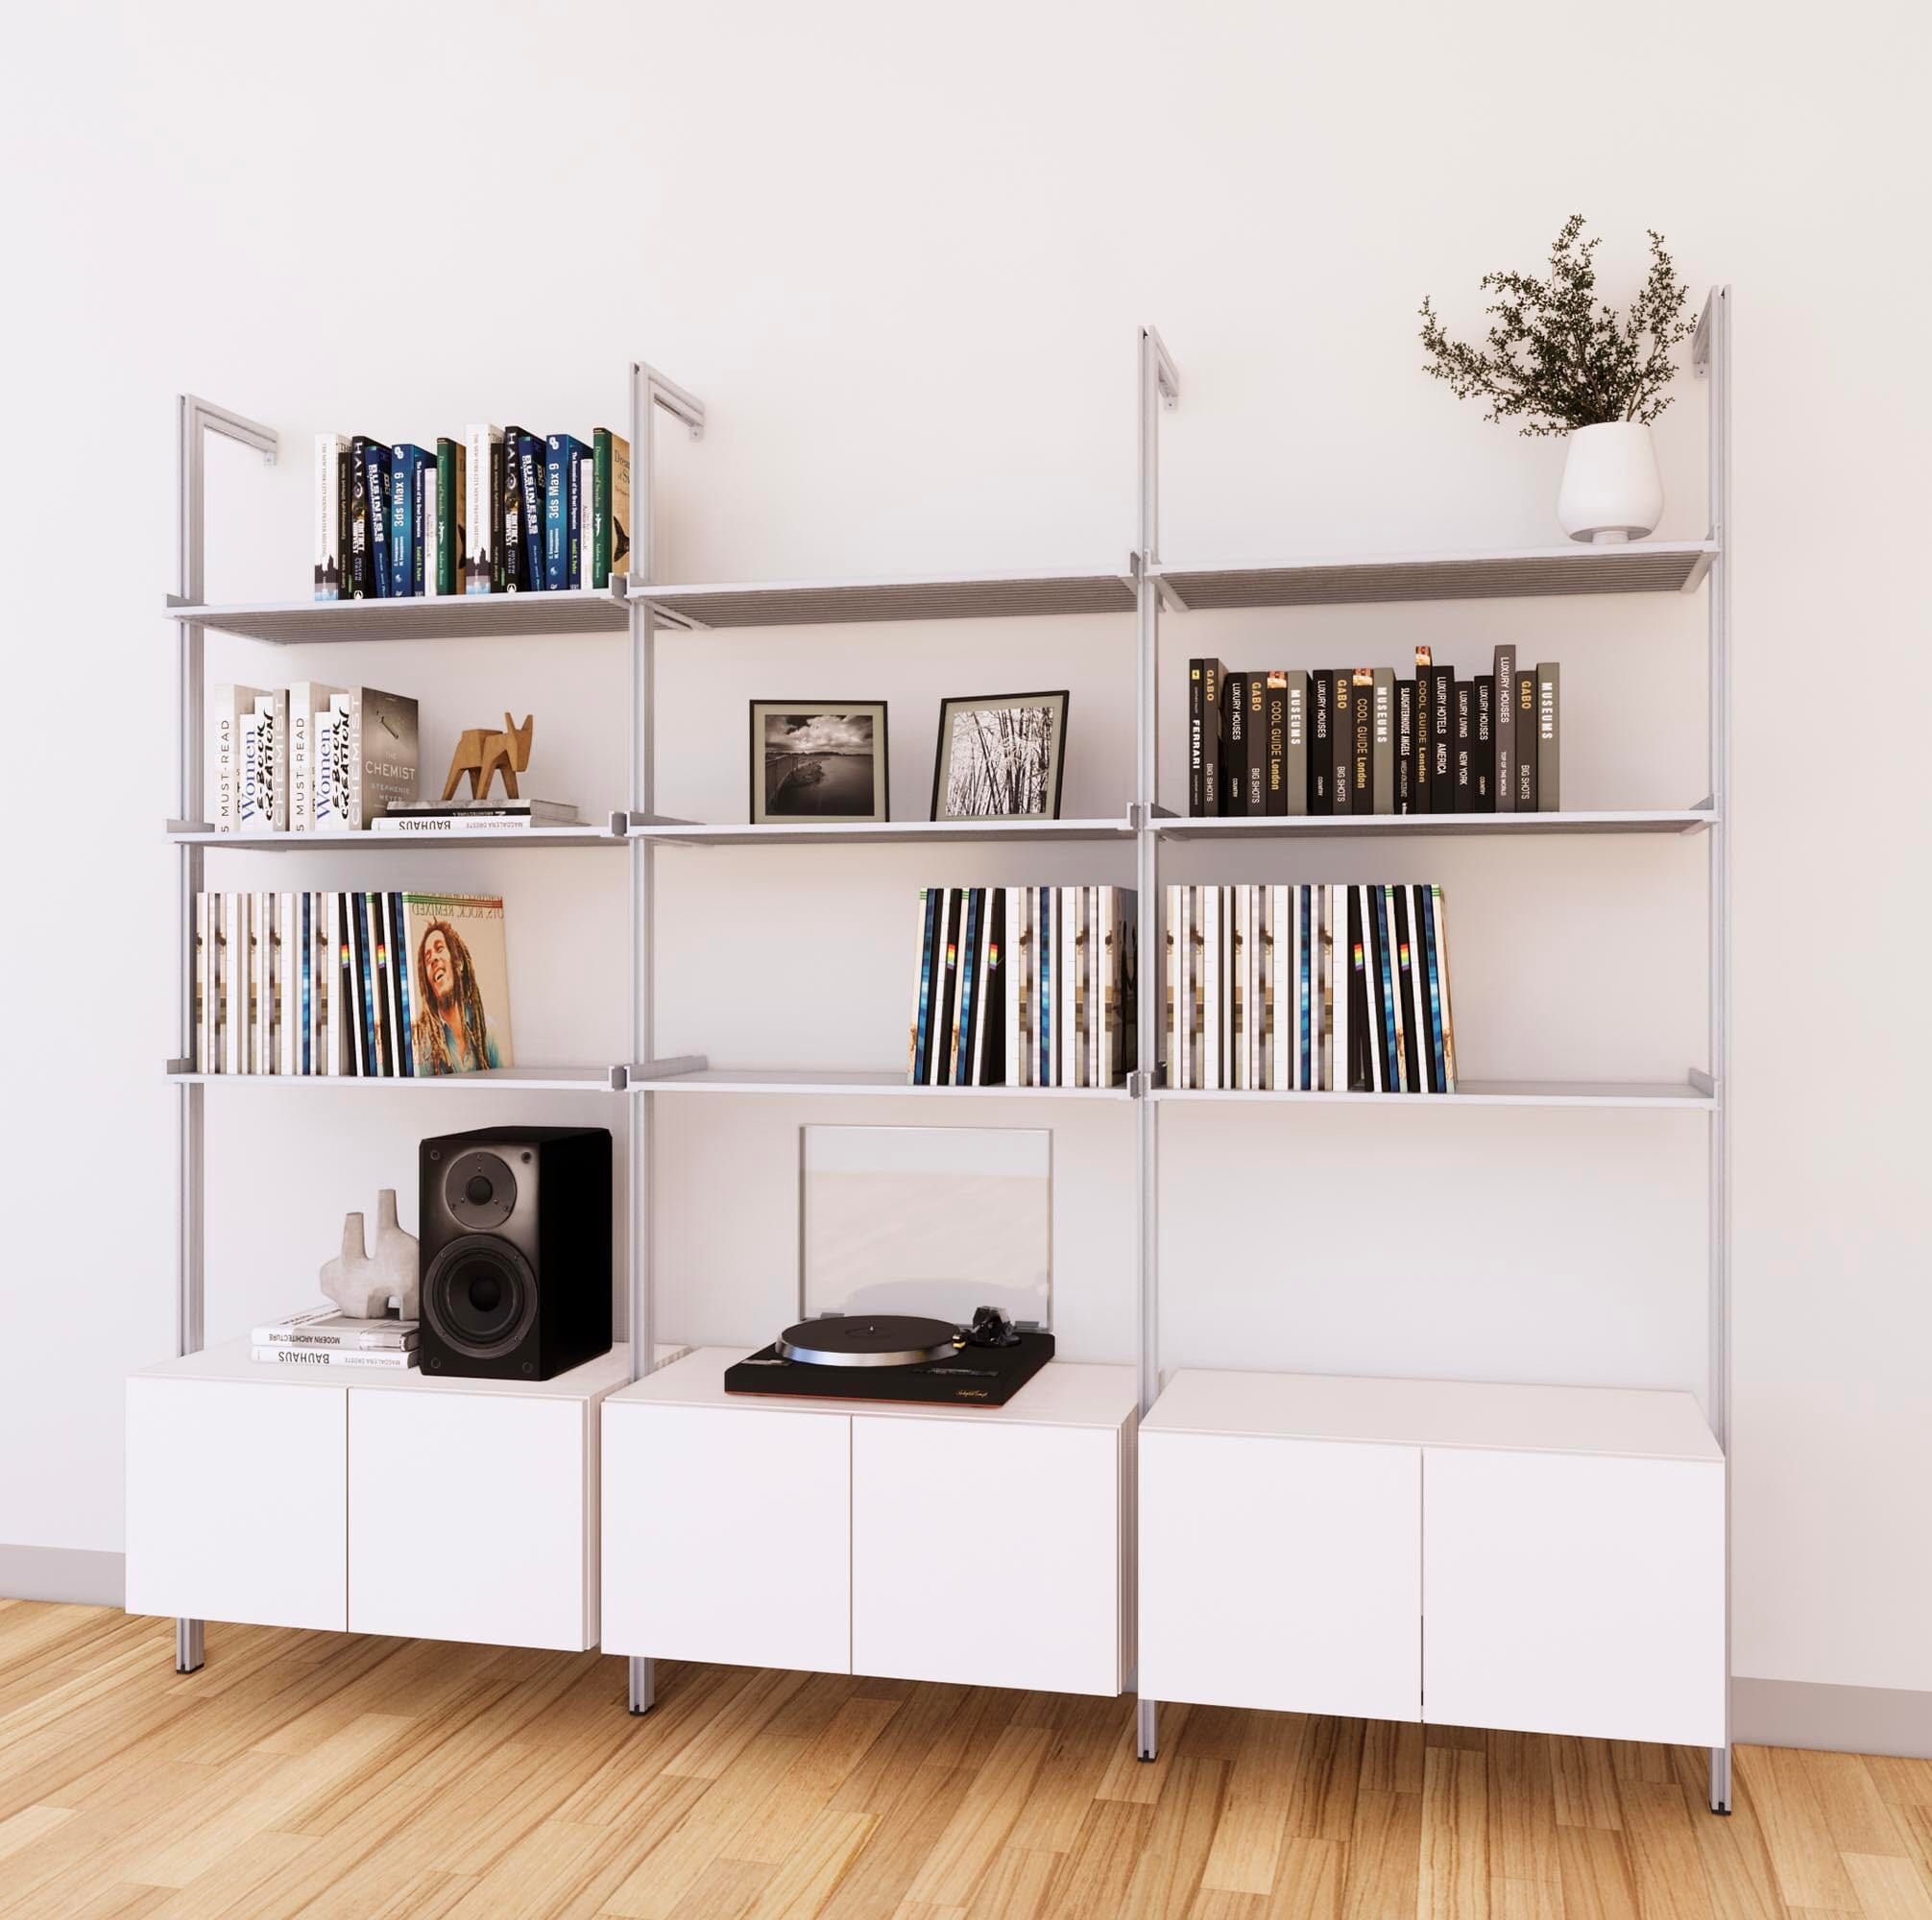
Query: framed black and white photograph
{"x": 1001, "y": 757}
{"x": 819, "y": 760}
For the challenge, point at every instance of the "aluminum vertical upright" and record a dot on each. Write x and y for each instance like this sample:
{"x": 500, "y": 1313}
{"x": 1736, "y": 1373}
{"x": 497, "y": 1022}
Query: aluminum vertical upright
{"x": 1710, "y": 357}
{"x": 649, "y": 391}
{"x": 1159, "y": 384}
{"x": 193, "y": 419}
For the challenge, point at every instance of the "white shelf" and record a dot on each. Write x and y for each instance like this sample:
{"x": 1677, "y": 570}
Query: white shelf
{"x": 1504, "y": 574}
{"x": 1628, "y": 1423}
{"x": 1063, "y": 1393}
{"x": 1485, "y": 1094}
{"x": 443, "y": 616}
{"x": 867, "y": 832}
{"x": 231, "y": 1362}
{"x": 583, "y": 833}
{"x": 818, "y": 1080}
{"x": 1024, "y": 594}
{"x": 515, "y": 1079}
{"x": 1432, "y": 826}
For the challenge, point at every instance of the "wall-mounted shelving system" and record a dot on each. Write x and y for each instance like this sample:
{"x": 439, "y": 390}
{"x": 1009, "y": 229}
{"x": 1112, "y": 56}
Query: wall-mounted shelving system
{"x": 1150, "y": 588}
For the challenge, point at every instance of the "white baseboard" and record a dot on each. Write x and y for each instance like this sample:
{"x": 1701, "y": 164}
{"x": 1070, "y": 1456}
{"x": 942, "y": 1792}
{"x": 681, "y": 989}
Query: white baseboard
{"x": 1835, "y": 1720}
{"x": 62, "y": 1574}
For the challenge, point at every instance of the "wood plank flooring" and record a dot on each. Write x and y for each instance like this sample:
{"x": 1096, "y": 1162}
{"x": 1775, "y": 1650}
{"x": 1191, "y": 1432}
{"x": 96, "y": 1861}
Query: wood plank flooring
{"x": 342, "y": 1778}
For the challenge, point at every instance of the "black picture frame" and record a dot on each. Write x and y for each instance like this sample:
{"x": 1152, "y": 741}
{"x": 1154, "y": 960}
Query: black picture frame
{"x": 760, "y": 811}
{"x": 1054, "y": 701}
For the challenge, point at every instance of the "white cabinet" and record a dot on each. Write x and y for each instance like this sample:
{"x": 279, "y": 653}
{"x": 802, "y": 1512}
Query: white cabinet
{"x": 237, "y": 1502}
{"x": 1281, "y": 1573}
{"x": 985, "y": 1546}
{"x": 377, "y": 1502}
{"x": 989, "y": 1555}
{"x": 1545, "y": 1559}
{"x": 1576, "y": 1596}
{"x": 472, "y": 1518}
{"x": 728, "y": 1534}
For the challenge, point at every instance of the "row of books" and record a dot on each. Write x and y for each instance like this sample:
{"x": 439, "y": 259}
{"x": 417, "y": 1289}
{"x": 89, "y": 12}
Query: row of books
{"x": 309, "y": 758}
{"x": 1024, "y": 987}
{"x": 1314, "y": 989}
{"x": 324, "y": 1337}
{"x": 1365, "y": 740}
{"x": 377, "y": 985}
{"x": 500, "y": 511}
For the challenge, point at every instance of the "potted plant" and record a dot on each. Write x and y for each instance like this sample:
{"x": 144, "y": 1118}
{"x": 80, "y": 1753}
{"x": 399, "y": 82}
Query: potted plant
{"x": 1564, "y": 362}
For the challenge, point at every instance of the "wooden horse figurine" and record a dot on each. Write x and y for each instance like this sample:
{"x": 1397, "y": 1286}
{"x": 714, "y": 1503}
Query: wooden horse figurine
{"x": 482, "y": 754}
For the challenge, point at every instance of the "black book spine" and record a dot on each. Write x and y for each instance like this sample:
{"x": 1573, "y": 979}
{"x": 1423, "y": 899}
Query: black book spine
{"x": 1405, "y": 746}
{"x": 499, "y": 478}
{"x": 1234, "y": 746}
{"x": 1442, "y": 739}
{"x": 1505, "y": 685}
{"x": 1213, "y": 674}
{"x": 1548, "y": 737}
{"x": 1418, "y": 779}
{"x": 355, "y": 529}
{"x": 1257, "y": 743}
{"x": 1341, "y": 731}
{"x": 1194, "y": 808}
{"x": 1485, "y": 742}
{"x": 515, "y": 574}
{"x": 1463, "y": 758}
{"x": 1297, "y": 741}
{"x": 1419, "y": 959}
{"x": 1321, "y": 750}
{"x": 1275, "y": 796}
{"x": 1361, "y": 740}
{"x": 1361, "y": 1079}
{"x": 1525, "y": 740}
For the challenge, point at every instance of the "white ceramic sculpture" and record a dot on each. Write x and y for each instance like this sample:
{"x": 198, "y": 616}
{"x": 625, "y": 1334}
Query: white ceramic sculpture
{"x": 362, "y": 1284}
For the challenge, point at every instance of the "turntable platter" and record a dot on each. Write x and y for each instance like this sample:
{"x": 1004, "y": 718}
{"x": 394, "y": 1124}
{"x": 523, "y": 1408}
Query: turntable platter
{"x": 868, "y": 1341}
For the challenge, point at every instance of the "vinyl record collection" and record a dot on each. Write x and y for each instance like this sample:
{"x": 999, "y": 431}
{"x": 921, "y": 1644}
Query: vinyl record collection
{"x": 1318, "y": 989}
{"x": 1024, "y": 987}
{"x": 500, "y": 511}
{"x": 371, "y": 985}
{"x": 1367, "y": 740}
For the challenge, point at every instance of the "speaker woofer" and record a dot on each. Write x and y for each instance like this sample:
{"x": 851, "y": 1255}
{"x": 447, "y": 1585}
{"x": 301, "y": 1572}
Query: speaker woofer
{"x": 480, "y": 1296}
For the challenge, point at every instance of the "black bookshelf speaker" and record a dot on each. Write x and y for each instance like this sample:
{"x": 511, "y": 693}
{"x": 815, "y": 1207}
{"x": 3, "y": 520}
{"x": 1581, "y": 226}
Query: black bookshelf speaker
{"x": 516, "y": 1252}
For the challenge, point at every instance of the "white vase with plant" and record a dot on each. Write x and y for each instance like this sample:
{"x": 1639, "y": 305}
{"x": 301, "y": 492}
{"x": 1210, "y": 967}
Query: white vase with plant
{"x": 1564, "y": 362}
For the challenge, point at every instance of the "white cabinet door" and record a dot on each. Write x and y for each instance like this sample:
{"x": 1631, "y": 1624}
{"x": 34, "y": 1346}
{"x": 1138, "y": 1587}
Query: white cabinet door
{"x": 471, "y": 1517}
{"x": 1281, "y": 1573}
{"x": 986, "y": 1555}
{"x": 237, "y": 1500}
{"x": 1569, "y": 1595}
{"x": 728, "y": 1535}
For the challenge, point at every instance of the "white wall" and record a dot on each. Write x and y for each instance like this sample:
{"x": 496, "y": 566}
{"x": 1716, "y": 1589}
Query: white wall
{"x": 901, "y": 254}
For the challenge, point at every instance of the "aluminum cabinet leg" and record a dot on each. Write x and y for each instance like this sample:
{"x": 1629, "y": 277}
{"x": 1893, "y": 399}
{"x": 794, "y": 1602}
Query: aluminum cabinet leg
{"x": 643, "y": 1685}
{"x": 190, "y": 1644}
{"x": 1720, "y": 1780}
{"x": 1147, "y": 1728}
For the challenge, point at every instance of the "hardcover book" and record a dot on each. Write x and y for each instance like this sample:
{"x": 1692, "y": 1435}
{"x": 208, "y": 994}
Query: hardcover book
{"x": 483, "y": 514}
{"x": 563, "y": 455}
{"x": 324, "y": 1327}
{"x": 1484, "y": 744}
{"x": 510, "y": 513}
{"x": 1276, "y": 740}
{"x": 1297, "y": 773}
{"x": 1527, "y": 793}
{"x": 1320, "y": 742}
{"x": 1504, "y": 680}
{"x": 1214, "y": 676}
{"x": 1405, "y": 746}
{"x": 1342, "y": 727}
{"x": 452, "y": 516}
{"x": 1463, "y": 760}
{"x": 1421, "y": 752}
{"x": 1382, "y": 741}
{"x": 408, "y": 466}
{"x": 1256, "y": 798}
{"x": 611, "y": 494}
{"x": 331, "y": 455}
{"x": 1548, "y": 737}
{"x": 1233, "y": 745}
{"x": 1442, "y": 739}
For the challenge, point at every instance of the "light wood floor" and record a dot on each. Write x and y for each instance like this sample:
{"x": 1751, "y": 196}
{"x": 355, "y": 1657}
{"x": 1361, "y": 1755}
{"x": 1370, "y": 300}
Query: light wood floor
{"x": 354, "y": 1779}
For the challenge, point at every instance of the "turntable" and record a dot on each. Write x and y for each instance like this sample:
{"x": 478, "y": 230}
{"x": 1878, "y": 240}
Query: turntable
{"x": 874, "y": 1273}
{"x": 898, "y": 1356}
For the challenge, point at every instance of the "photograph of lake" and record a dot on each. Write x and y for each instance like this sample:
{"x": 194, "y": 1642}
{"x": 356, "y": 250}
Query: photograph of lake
{"x": 820, "y": 766}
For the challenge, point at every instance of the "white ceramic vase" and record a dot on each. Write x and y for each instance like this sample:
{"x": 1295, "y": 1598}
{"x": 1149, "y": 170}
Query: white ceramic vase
{"x": 1611, "y": 491}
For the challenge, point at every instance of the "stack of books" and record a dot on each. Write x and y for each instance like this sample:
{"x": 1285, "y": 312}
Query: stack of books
{"x": 309, "y": 758}
{"x": 378, "y": 986}
{"x": 323, "y": 1337}
{"x": 1309, "y": 989}
{"x": 499, "y": 511}
{"x": 1367, "y": 740}
{"x": 1024, "y": 987}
